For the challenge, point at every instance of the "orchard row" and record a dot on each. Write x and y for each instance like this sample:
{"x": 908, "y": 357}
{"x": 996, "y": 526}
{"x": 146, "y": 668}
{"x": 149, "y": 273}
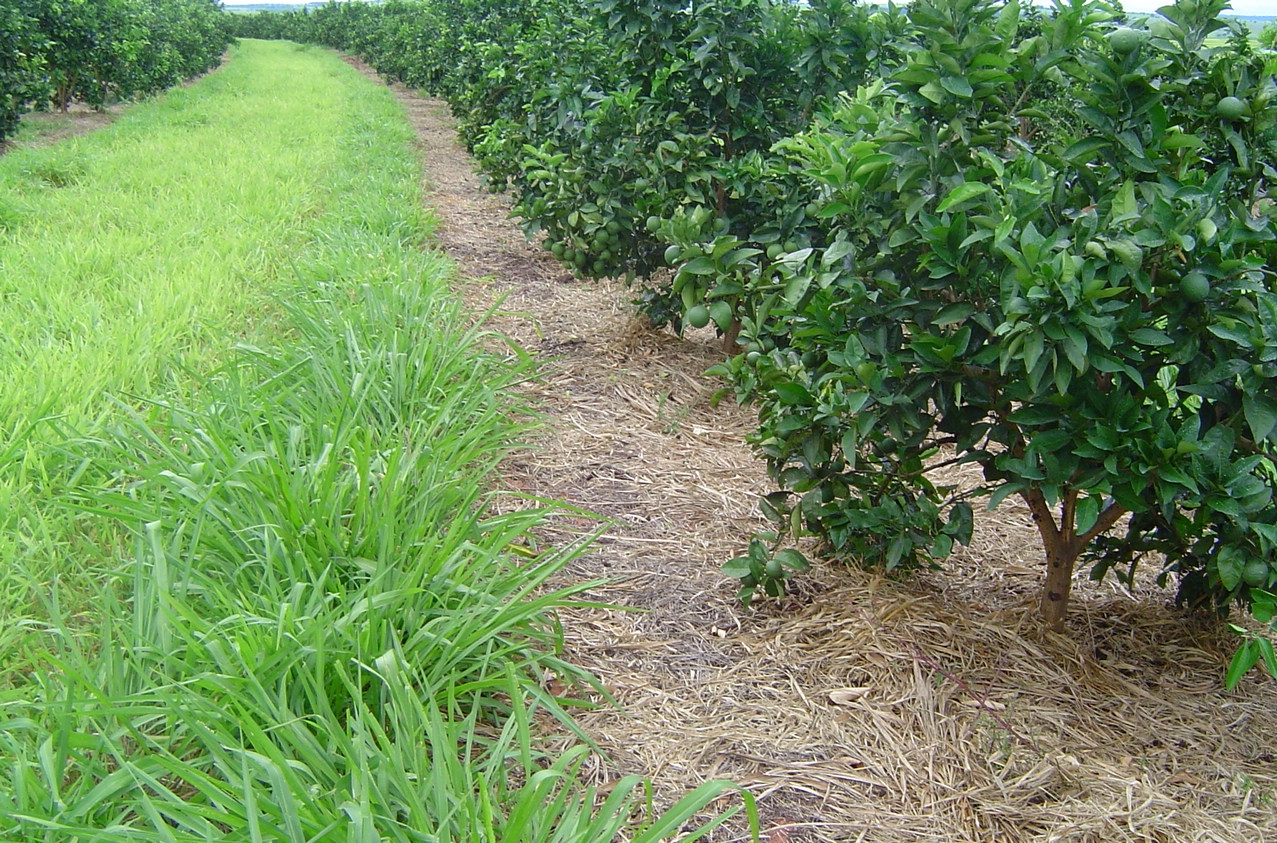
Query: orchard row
{"x": 56, "y": 52}
{"x": 961, "y": 232}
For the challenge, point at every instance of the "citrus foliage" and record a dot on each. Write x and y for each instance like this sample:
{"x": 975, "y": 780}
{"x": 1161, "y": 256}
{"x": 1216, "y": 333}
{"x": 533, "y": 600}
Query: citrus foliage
{"x": 21, "y": 66}
{"x": 55, "y": 52}
{"x": 1088, "y": 322}
{"x": 970, "y": 233}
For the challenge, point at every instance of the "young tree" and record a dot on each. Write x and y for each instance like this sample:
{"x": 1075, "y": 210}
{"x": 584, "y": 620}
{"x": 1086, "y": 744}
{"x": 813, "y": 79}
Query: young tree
{"x": 1089, "y": 320}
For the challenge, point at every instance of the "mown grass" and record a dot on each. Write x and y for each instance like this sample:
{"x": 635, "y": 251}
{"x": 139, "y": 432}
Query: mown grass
{"x": 303, "y": 621}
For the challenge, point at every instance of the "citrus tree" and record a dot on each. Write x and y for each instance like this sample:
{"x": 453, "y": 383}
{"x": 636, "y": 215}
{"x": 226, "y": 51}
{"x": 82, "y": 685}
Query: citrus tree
{"x": 1089, "y": 321}
{"x": 1267, "y": 37}
{"x": 96, "y": 51}
{"x": 22, "y": 81}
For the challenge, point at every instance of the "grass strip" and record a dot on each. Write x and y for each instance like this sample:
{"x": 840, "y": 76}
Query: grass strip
{"x": 132, "y": 258}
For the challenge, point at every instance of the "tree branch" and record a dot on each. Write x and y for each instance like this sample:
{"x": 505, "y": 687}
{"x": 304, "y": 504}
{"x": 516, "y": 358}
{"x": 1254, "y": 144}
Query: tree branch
{"x": 1068, "y": 514}
{"x": 1042, "y": 514}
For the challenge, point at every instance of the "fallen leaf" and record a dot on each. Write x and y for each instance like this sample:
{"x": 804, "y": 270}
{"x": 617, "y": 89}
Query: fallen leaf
{"x": 847, "y": 696}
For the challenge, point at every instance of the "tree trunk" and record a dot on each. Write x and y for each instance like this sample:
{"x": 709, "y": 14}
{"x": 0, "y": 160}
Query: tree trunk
{"x": 1063, "y": 547}
{"x": 731, "y": 336}
{"x": 1060, "y": 559}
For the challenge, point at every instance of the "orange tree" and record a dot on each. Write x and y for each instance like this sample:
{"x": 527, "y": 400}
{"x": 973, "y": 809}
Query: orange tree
{"x": 22, "y": 81}
{"x": 97, "y": 51}
{"x": 1090, "y": 321}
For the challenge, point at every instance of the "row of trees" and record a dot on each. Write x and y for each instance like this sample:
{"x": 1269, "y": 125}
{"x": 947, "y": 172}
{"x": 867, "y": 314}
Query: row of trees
{"x": 965, "y": 232}
{"x": 56, "y": 52}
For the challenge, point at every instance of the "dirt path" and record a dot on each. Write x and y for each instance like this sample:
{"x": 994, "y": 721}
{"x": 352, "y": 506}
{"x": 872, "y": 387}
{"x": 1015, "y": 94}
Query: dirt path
{"x": 864, "y": 709}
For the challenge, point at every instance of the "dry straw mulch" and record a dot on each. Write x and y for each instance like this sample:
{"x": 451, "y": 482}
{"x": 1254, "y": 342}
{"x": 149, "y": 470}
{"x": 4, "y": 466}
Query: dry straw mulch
{"x": 860, "y": 708}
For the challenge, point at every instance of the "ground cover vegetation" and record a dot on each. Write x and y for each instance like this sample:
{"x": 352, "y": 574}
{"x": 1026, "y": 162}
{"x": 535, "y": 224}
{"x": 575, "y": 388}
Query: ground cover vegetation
{"x": 962, "y": 233}
{"x": 57, "y": 52}
{"x": 253, "y": 587}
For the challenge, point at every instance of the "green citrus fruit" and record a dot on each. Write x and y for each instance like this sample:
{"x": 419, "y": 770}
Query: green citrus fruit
{"x": 774, "y": 569}
{"x": 774, "y": 251}
{"x": 1195, "y": 287}
{"x": 1230, "y": 108}
{"x": 1125, "y": 40}
{"x": 672, "y": 254}
{"x": 1206, "y": 229}
{"x": 653, "y": 223}
{"x": 698, "y": 316}
{"x": 612, "y": 227}
{"x": 1256, "y": 572}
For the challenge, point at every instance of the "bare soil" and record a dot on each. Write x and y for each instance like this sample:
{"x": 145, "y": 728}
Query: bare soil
{"x": 860, "y": 708}
{"x": 47, "y": 127}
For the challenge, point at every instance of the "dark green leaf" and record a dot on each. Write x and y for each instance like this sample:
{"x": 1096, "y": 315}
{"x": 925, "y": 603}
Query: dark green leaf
{"x": 1261, "y": 415}
{"x": 792, "y": 393}
{"x": 953, "y": 313}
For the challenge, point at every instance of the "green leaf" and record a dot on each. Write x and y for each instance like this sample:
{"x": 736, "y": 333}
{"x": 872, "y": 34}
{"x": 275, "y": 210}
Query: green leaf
{"x": 1261, "y": 415}
{"x": 1050, "y": 441}
{"x": 961, "y": 522}
{"x": 1124, "y": 206}
{"x": 797, "y": 287}
{"x": 1033, "y": 347}
{"x": 1269, "y": 657}
{"x": 699, "y": 266}
{"x": 793, "y": 559}
{"x": 962, "y": 193}
{"x": 1083, "y": 150}
{"x": 933, "y": 92}
{"x": 954, "y": 313}
{"x": 896, "y": 550}
{"x": 1263, "y": 606}
{"x": 1230, "y": 567}
{"x": 957, "y": 85}
{"x": 1246, "y": 657}
{"x": 1127, "y": 252}
{"x": 837, "y": 250}
{"x": 1151, "y": 336}
{"x": 792, "y": 393}
{"x": 1087, "y": 513}
{"x": 1180, "y": 140}
{"x": 1003, "y": 492}
{"x": 738, "y": 567}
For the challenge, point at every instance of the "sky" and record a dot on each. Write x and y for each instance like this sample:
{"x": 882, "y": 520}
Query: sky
{"x": 1255, "y": 8}
{"x": 1245, "y": 8}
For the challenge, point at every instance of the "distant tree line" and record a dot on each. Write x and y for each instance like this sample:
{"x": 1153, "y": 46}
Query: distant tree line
{"x": 57, "y": 52}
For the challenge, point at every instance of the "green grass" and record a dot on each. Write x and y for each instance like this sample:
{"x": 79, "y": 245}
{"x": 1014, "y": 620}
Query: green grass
{"x": 256, "y": 589}
{"x": 135, "y": 256}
